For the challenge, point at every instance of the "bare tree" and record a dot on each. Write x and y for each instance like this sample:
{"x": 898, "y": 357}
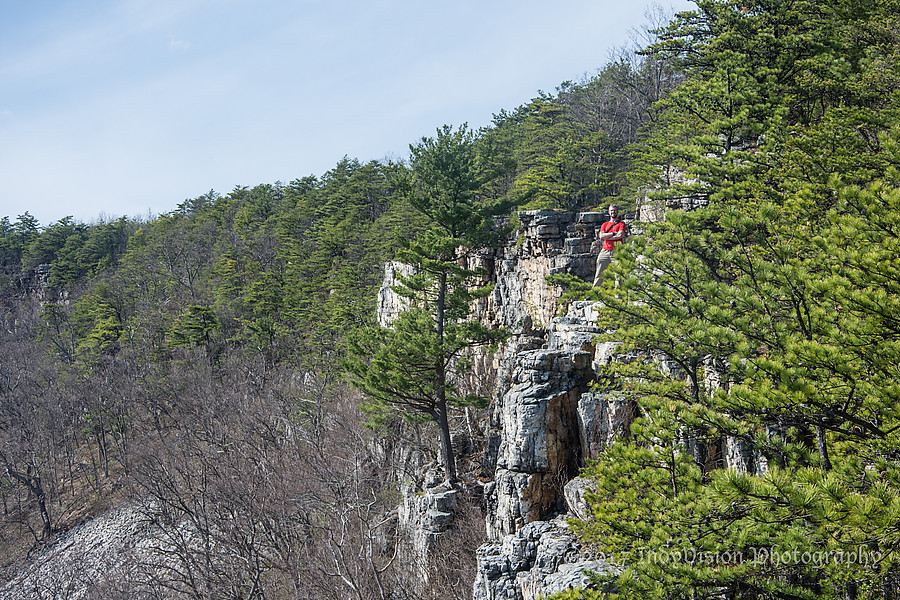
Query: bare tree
{"x": 266, "y": 489}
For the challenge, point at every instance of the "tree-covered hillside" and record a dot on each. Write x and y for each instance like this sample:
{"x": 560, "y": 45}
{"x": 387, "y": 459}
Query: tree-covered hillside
{"x": 195, "y": 359}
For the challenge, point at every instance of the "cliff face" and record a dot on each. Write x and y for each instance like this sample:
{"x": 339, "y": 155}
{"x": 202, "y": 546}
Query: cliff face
{"x": 545, "y": 243}
{"x": 545, "y": 418}
{"x": 544, "y": 421}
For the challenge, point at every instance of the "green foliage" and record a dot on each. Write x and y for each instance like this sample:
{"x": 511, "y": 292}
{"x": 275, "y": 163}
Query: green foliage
{"x": 96, "y": 326}
{"x": 45, "y": 246}
{"x": 336, "y": 240}
{"x": 574, "y": 150}
{"x": 194, "y": 327}
{"x": 417, "y": 363}
{"x": 581, "y": 594}
{"x": 17, "y": 238}
{"x": 761, "y": 321}
{"x": 396, "y": 365}
{"x": 768, "y": 318}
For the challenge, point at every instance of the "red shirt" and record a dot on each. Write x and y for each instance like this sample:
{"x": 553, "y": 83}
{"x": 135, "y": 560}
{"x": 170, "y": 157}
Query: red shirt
{"x": 615, "y": 227}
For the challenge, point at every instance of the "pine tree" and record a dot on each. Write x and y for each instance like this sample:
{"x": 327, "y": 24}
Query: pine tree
{"x": 417, "y": 363}
{"x": 773, "y": 306}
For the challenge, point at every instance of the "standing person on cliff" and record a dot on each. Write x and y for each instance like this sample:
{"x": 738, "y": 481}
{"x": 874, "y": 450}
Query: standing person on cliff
{"x": 611, "y": 231}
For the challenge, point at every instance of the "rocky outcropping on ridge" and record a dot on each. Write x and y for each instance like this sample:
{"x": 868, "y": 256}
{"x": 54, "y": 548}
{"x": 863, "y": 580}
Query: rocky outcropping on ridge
{"x": 545, "y": 420}
{"x": 539, "y": 559}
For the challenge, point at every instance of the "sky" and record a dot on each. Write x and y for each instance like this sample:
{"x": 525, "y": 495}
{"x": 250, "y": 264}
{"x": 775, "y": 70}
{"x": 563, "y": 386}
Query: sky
{"x": 127, "y": 108}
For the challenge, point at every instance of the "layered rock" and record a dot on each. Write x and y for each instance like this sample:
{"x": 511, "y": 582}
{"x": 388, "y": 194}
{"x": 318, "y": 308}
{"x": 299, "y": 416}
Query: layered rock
{"x": 389, "y": 304}
{"x": 541, "y": 558}
{"x": 546, "y": 243}
{"x": 549, "y": 415}
{"x": 549, "y": 422}
{"x": 537, "y": 417}
{"x": 424, "y": 515}
{"x": 544, "y": 419}
{"x": 547, "y": 418}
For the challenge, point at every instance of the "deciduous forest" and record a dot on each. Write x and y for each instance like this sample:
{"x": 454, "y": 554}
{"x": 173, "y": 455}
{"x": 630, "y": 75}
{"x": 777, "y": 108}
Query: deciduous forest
{"x": 206, "y": 362}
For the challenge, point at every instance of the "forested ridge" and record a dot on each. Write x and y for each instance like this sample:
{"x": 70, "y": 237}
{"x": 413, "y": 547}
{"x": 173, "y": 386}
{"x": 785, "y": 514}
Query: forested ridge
{"x": 197, "y": 358}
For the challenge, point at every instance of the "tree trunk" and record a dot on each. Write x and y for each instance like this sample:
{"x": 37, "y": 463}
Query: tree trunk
{"x": 450, "y": 475}
{"x": 822, "y": 445}
{"x": 45, "y": 512}
{"x": 440, "y": 385}
{"x": 33, "y": 483}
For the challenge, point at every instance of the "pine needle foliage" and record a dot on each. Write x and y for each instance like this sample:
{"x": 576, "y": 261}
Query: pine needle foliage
{"x": 418, "y": 362}
{"x": 761, "y": 328}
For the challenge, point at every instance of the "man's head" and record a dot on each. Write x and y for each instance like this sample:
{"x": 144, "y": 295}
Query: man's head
{"x": 613, "y": 211}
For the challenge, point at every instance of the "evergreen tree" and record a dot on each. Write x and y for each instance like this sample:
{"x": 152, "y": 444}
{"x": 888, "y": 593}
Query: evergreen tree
{"x": 416, "y": 363}
{"x": 764, "y": 317}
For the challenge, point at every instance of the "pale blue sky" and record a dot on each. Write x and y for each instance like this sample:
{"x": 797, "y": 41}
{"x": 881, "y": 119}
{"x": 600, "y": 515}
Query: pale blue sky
{"x": 113, "y": 108}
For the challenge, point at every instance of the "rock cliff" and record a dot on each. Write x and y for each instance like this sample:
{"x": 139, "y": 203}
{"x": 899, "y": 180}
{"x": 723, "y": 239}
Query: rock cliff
{"x": 545, "y": 417}
{"x": 544, "y": 420}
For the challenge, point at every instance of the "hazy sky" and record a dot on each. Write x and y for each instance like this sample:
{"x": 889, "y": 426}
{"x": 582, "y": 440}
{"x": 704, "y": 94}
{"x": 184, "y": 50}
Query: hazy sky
{"x": 113, "y": 108}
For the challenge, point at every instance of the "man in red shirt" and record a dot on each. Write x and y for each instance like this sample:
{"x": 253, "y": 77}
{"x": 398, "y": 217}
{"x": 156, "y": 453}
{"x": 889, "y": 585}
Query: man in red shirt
{"x": 611, "y": 231}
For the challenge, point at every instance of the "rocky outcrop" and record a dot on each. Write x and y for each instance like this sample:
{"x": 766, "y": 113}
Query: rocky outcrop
{"x": 549, "y": 421}
{"x": 390, "y": 304}
{"x": 541, "y": 558}
{"x": 546, "y": 243}
{"x": 546, "y": 417}
{"x": 544, "y": 421}
{"x": 576, "y": 492}
{"x": 89, "y": 561}
{"x": 550, "y": 411}
{"x": 424, "y": 515}
{"x": 537, "y": 417}
{"x": 650, "y": 209}
{"x": 602, "y": 417}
